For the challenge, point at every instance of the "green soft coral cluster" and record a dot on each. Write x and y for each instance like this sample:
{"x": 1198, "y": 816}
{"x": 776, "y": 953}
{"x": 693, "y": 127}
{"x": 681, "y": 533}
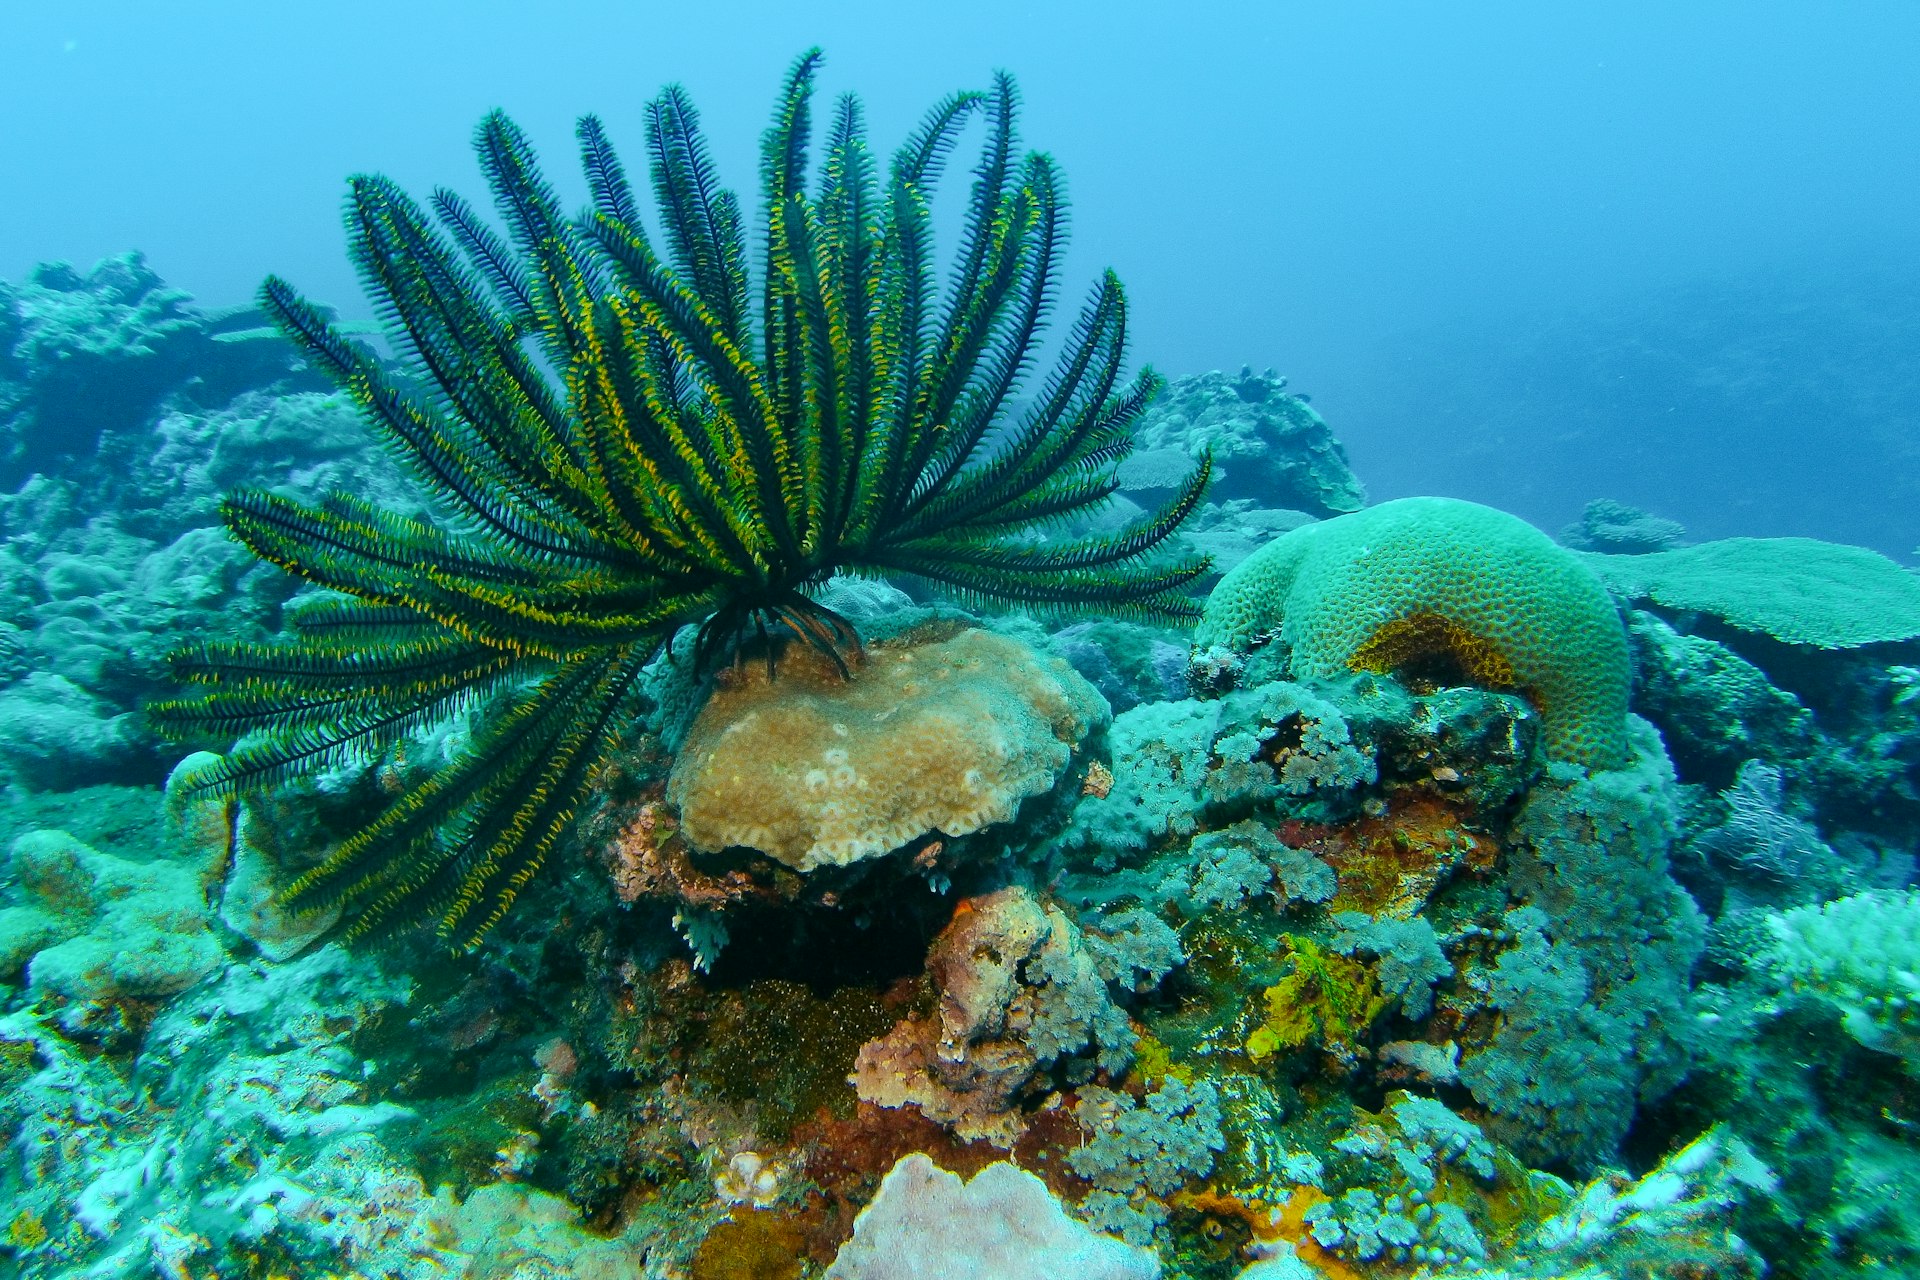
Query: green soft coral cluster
{"x": 1592, "y": 997}
{"x": 1138, "y": 1153}
{"x": 1176, "y": 763}
{"x": 1861, "y": 954}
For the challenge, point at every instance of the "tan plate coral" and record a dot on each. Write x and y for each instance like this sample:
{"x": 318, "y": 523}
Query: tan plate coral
{"x": 943, "y": 735}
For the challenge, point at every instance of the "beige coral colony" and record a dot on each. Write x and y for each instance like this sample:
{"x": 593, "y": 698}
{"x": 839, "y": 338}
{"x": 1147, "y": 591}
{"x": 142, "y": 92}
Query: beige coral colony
{"x": 735, "y": 752}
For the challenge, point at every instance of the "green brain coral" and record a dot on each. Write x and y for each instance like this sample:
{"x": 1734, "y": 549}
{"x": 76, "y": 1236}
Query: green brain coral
{"x": 1798, "y": 590}
{"x": 1426, "y": 582}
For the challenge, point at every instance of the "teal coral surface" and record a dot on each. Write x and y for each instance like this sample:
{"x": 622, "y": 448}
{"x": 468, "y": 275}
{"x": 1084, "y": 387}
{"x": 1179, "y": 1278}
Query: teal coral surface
{"x": 1423, "y": 580}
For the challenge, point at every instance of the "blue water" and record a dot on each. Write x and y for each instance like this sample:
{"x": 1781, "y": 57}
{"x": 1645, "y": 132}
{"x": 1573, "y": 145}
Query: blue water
{"x": 1516, "y": 253}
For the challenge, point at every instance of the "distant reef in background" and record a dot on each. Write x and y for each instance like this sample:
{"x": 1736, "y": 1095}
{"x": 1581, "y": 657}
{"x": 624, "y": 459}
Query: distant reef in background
{"x": 126, "y": 412}
{"x": 1784, "y": 403}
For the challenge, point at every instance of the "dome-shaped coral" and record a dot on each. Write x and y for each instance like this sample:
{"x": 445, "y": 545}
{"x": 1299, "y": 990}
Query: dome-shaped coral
{"x": 1436, "y": 581}
{"x": 946, "y": 735}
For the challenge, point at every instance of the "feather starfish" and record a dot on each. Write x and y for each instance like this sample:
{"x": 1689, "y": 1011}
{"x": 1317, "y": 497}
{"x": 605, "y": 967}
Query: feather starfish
{"x": 625, "y": 439}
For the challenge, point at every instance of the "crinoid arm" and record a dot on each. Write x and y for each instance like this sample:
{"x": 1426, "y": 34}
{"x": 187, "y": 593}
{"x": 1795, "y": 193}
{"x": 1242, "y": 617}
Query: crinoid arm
{"x": 619, "y": 434}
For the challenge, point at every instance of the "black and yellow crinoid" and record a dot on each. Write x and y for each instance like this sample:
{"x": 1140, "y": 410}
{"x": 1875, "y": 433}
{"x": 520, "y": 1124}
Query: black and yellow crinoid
{"x": 626, "y": 435}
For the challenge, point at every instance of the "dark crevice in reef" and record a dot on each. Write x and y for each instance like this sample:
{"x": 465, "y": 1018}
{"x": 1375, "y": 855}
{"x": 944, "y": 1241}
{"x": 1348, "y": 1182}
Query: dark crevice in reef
{"x": 854, "y": 944}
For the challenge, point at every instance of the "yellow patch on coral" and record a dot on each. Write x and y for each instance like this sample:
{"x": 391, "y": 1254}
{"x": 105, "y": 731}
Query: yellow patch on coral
{"x": 752, "y": 1245}
{"x": 1288, "y": 1222}
{"x": 1513, "y": 1205}
{"x": 1419, "y": 639}
{"x": 1328, "y": 999}
{"x": 17, "y": 1057}
{"x": 27, "y": 1231}
{"x": 1151, "y": 1057}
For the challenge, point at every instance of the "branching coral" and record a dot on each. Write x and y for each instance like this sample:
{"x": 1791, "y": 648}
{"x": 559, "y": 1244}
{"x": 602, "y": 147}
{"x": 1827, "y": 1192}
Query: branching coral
{"x": 1862, "y": 954}
{"x": 630, "y": 439}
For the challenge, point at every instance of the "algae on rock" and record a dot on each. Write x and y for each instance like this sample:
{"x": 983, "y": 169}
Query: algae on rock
{"x": 91, "y": 926}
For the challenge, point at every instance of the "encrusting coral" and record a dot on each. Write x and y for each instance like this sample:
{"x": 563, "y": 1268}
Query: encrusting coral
{"x": 940, "y": 735}
{"x": 1424, "y": 583}
{"x": 1269, "y": 445}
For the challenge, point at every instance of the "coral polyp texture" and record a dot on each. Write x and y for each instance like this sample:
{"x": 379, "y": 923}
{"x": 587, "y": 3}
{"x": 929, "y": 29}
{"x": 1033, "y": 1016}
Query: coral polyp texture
{"x": 940, "y": 736}
{"x": 1437, "y": 584}
{"x": 628, "y": 441}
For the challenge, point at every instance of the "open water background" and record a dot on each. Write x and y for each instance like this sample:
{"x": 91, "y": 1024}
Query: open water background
{"x": 1521, "y": 253}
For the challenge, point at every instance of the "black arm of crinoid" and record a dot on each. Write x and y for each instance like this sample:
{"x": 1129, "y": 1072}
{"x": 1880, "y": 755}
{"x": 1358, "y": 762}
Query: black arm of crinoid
{"x": 617, "y": 440}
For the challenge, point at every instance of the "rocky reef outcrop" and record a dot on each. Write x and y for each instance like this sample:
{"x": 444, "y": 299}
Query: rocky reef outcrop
{"x": 1100, "y": 953}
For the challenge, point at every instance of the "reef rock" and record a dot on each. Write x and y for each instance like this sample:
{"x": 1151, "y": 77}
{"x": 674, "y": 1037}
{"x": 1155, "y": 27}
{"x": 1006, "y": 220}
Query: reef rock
{"x": 1019, "y": 990}
{"x": 243, "y": 843}
{"x": 91, "y": 926}
{"x": 937, "y": 736}
{"x": 1268, "y": 445}
{"x": 1616, "y": 528}
{"x": 55, "y": 735}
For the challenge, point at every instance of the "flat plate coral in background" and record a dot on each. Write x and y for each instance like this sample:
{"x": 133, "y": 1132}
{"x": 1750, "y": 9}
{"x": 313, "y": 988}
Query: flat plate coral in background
{"x": 1797, "y": 590}
{"x": 944, "y": 736}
